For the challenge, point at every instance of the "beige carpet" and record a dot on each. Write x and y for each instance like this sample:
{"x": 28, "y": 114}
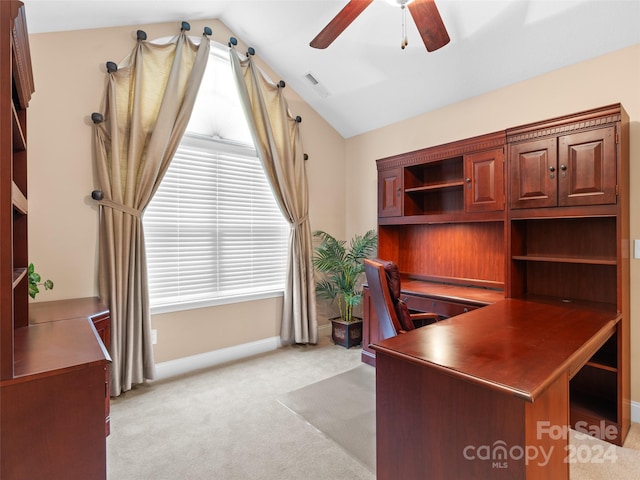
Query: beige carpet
{"x": 593, "y": 459}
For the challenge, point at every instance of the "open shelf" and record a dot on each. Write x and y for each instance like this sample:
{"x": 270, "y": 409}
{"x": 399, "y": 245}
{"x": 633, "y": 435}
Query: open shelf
{"x": 432, "y": 200}
{"x": 590, "y": 392}
{"x": 19, "y": 140}
{"x": 607, "y": 357}
{"x": 434, "y": 188}
{"x": 437, "y": 186}
{"x": 592, "y": 408}
{"x": 434, "y": 173}
{"x": 19, "y": 200}
{"x": 565, "y": 238}
{"x": 585, "y": 406}
{"x": 566, "y": 259}
{"x": 18, "y": 275}
{"x": 579, "y": 282}
{"x": 574, "y": 258}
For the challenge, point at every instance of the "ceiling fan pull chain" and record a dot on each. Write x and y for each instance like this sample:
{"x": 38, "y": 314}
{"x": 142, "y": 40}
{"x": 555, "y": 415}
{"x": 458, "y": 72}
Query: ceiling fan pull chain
{"x": 404, "y": 42}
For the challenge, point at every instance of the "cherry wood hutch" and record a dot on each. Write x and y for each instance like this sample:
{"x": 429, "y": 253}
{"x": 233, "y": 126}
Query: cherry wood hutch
{"x": 53, "y": 394}
{"x": 537, "y": 215}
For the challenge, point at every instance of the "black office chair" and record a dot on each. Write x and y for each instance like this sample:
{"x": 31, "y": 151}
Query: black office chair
{"x": 394, "y": 317}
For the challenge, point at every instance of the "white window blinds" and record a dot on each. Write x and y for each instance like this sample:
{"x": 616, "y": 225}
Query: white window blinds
{"x": 213, "y": 230}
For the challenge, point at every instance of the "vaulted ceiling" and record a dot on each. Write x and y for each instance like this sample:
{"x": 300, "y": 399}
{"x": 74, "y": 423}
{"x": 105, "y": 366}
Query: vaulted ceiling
{"x": 365, "y": 80}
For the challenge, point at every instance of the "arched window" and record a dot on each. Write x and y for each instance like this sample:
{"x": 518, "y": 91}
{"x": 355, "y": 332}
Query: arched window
{"x": 213, "y": 231}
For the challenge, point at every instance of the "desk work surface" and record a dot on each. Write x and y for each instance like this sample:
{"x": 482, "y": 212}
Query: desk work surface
{"x": 56, "y": 347}
{"x": 450, "y": 292}
{"x": 42, "y": 312}
{"x": 516, "y": 346}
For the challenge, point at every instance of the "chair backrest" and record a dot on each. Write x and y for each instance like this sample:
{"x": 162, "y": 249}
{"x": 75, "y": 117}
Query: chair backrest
{"x": 381, "y": 297}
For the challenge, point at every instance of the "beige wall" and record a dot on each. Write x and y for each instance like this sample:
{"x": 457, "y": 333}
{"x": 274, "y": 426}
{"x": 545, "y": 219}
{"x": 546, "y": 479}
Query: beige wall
{"x": 69, "y": 78}
{"x": 63, "y": 220}
{"x": 602, "y": 81}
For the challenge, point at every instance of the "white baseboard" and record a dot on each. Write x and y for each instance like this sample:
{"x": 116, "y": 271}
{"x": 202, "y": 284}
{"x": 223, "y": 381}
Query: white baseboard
{"x": 180, "y": 366}
{"x": 635, "y": 412}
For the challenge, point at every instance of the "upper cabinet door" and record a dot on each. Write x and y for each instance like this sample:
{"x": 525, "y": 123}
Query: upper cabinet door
{"x": 390, "y": 193}
{"x": 587, "y": 168}
{"x": 484, "y": 181}
{"x": 533, "y": 174}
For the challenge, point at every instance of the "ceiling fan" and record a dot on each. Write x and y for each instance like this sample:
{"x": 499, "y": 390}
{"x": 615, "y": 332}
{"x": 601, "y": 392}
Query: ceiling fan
{"x": 424, "y": 12}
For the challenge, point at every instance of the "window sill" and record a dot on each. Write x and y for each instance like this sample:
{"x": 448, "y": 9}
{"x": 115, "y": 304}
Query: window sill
{"x": 213, "y": 302}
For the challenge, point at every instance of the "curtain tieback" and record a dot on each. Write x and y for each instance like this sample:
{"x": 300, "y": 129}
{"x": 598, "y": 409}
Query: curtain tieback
{"x": 123, "y": 208}
{"x": 300, "y": 222}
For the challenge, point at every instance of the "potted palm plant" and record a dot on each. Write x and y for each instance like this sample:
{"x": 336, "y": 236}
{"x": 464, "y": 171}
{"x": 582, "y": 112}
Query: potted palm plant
{"x": 341, "y": 268}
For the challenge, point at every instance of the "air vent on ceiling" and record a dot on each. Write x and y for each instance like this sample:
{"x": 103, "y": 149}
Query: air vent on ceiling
{"x": 316, "y": 85}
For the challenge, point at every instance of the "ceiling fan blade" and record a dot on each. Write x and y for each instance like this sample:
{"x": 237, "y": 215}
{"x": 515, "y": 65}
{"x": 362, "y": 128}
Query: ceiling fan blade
{"x": 427, "y": 18}
{"x": 341, "y": 21}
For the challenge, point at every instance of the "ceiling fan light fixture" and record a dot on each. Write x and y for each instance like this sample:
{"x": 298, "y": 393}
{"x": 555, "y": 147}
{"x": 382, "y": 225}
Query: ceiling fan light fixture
{"x": 424, "y": 13}
{"x": 403, "y": 5}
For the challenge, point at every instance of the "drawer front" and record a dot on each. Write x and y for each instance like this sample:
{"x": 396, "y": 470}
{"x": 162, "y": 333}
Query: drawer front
{"x": 442, "y": 308}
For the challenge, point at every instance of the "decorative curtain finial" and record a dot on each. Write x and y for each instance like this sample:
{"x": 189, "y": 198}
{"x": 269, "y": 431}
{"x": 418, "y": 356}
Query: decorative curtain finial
{"x": 112, "y": 67}
{"x": 281, "y": 84}
{"x": 97, "y": 195}
{"x": 97, "y": 118}
{"x": 185, "y": 27}
{"x": 207, "y": 31}
{"x": 298, "y": 119}
{"x": 233, "y": 41}
{"x": 141, "y": 35}
{"x": 251, "y": 51}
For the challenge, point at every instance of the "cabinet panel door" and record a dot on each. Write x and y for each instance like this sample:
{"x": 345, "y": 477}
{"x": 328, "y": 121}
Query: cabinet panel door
{"x": 390, "y": 193}
{"x": 484, "y": 187}
{"x": 533, "y": 174}
{"x": 587, "y": 168}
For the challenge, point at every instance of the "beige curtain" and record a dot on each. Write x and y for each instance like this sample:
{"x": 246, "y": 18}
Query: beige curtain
{"x": 146, "y": 108}
{"x": 277, "y": 137}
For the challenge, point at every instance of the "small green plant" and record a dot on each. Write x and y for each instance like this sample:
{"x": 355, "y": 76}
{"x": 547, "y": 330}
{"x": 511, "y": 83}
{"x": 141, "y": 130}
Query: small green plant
{"x": 342, "y": 268}
{"x": 35, "y": 280}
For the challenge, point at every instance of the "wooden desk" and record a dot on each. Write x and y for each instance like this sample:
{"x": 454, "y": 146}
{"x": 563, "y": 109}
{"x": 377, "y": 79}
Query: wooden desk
{"x": 90, "y": 308}
{"x": 446, "y": 300}
{"x": 55, "y": 409}
{"x": 450, "y": 394}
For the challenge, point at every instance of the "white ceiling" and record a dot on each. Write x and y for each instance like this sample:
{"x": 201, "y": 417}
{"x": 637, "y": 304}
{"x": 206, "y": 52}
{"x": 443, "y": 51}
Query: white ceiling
{"x": 370, "y": 81}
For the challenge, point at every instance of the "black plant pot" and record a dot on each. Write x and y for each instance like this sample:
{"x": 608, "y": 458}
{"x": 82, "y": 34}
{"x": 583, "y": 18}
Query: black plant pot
{"x": 347, "y": 334}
